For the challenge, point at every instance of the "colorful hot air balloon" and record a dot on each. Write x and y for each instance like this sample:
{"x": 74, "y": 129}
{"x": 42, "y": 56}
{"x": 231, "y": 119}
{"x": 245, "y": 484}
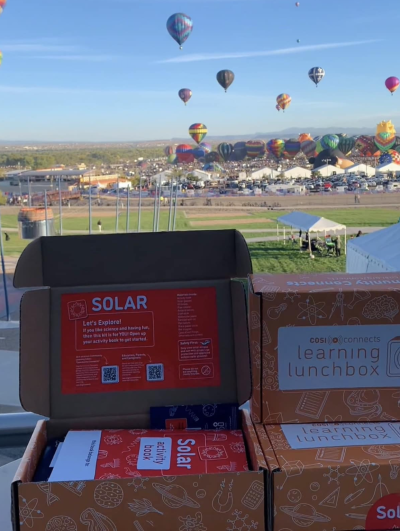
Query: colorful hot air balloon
{"x": 292, "y": 148}
{"x": 213, "y": 166}
{"x": 276, "y": 147}
{"x": 198, "y": 132}
{"x": 255, "y": 148}
{"x": 169, "y": 150}
{"x": 385, "y": 158}
{"x": 172, "y": 159}
{"x": 277, "y": 107}
{"x": 365, "y": 145}
{"x": 308, "y": 147}
{"x": 304, "y": 136}
{"x": 206, "y": 146}
{"x": 2, "y": 5}
{"x": 384, "y": 141}
{"x": 283, "y": 100}
{"x": 198, "y": 152}
{"x": 225, "y": 78}
{"x": 185, "y": 95}
{"x": 329, "y": 141}
{"x": 316, "y": 74}
{"x": 213, "y": 156}
{"x": 225, "y": 151}
{"x": 392, "y": 84}
{"x": 346, "y": 144}
{"x": 179, "y": 26}
{"x": 184, "y": 153}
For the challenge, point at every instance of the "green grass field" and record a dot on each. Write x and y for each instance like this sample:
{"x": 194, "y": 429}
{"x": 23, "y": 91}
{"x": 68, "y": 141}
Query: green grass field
{"x": 269, "y": 257}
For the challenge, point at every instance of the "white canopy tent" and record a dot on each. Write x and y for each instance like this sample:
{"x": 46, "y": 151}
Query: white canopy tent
{"x": 378, "y": 252}
{"x": 309, "y": 223}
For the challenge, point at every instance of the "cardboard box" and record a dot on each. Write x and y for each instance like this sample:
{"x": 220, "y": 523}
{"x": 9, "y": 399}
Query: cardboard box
{"x": 336, "y": 476}
{"x": 325, "y": 347}
{"x": 166, "y": 322}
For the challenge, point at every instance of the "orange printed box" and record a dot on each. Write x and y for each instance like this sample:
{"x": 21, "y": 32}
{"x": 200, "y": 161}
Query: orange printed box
{"x": 325, "y": 347}
{"x": 333, "y": 476}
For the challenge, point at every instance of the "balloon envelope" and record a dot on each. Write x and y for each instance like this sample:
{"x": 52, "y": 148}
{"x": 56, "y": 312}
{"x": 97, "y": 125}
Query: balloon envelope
{"x": 316, "y": 74}
{"x": 169, "y": 150}
{"x": 206, "y": 146}
{"x": 179, "y": 26}
{"x": 225, "y": 78}
{"x": 172, "y": 159}
{"x": 225, "y": 150}
{"x": 392, "y": 84}
{"x": 283, "y": 100}
{"x": 365, "y": 145}
{"x": 198, "y": 132}
{"x": 346, "y": 144}
{"x": 276, "y": 147}
{"x": 185, "y": 95}
{"x": 308, "y": 147}
{"x": 255, "y": 148}
{"x": 184, "y": 153}
{"x": 329, "y": 141}
{"x": 213, "y": 156}
{"x": 239, "y": 151}
{"x": 2, "y": 5}
{"x": 304, "y": 136}
{"x": 292, "y": 148}
{"x": 199, "y": 152}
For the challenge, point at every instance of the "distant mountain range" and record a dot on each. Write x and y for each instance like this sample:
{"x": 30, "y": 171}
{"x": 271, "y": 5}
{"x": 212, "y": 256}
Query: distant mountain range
{"x": 285, "y": 133}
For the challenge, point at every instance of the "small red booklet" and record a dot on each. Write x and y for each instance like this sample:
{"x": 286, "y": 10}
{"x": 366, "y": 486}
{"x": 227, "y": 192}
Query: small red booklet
{"x": 117, "y": 454}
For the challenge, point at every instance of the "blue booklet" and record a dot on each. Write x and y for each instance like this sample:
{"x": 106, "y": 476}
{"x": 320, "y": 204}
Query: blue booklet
{"x": 207, "y": 417}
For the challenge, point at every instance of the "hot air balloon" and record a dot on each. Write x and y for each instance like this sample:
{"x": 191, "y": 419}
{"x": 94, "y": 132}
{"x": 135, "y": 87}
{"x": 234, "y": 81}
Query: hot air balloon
{"x": 255, "y": 148}
{"x": 277, "y": 107}
{"x": 304, "y": 136}
{"x": 225, "y": 78}
{"x": 206, "y": 146}
{"x": 308, "y": 147}
{"x": 297, "y": 4}
{"x": 172, "y": 159}
{"x": 329, "y": 141}
{"x": 199, "y": 152}
{"x": 213, "y": 156}
{"x": 316, "y": 74}
{"x": 385, "y": 158}
{"x": 239, "y": 151}
{"x": 284, "y": 100}
{"x": 365, "y": 145}
{"x": 184, "y": 153}
{"x": 392, "y": 84}
{"x": 213, "y": 166}
{"x": 198, "y": 132}
{"x": 169, "y": 150}
{"x": 185, "y": 95}
{"x": 292, "y": 148}
{"x": 179, "y": 26}
{"x": 384, "y": 141}
{"x": 2, "y": 5}
{"x": 225, "y": 150}
{"x": 298, "y": 41}
{"x": 346, "y": 144}
{"x": 276, "y": 147}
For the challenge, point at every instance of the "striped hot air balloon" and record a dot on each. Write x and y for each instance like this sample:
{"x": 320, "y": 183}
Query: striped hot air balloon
{"x": 179, "y": 26}
{"x": 276, "y": 147}
{"x": 225, "y": 151}
{"x": 292, "y": 148}
{"x": 172, "y": 159}
{"x": 329, "y": 141}
{"x": 198, "y": 132}
{"x": 255, "y": 148}
{"x": 308, "y": 147}
{"x": 392, "y": 84}
{"x": 184, "y": 153}
{"x": 346, "y": 144}
{"x": 169, "y": 150}
{"x": 2, "y": 5}
{"x": 284, "y": 101}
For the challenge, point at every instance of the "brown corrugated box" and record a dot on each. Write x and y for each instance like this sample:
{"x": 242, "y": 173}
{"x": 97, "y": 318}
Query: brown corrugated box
{"x": 325, "y": 348}
{"x": 68, "y": 269}
{"x": 333, "y": 487}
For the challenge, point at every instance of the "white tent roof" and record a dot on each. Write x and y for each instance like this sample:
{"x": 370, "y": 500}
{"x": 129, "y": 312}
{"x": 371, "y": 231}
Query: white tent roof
{"x": 297, "y": 171}
{"x": 375, "y": 253}
{"x": 360, "y": 167}
{"x": 309, "y": 223}
{"x": 389, "y": 167}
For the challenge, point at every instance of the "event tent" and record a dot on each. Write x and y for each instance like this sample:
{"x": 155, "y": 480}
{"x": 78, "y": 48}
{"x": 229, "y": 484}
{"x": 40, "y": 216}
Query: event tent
{"x": 309, "y": 223}
{"x": 361, "y": 169}
{"x": 295, "y": 173}
{"x": 377, "y": 252}
{"x": 327, "y": 170}
{"x": 391, "y": 167}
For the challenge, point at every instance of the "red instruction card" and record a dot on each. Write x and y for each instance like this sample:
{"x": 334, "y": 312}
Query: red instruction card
{"x": 139, "y": 340}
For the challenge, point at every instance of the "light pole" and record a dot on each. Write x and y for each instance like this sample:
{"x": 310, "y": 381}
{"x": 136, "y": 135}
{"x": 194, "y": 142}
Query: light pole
{"x": 127, "y": 210}
{"x": 90, "y": 204}
{"x": 60, "y": 203}
{"x": 140, "y": 202}
{"x": 117, "y": 208}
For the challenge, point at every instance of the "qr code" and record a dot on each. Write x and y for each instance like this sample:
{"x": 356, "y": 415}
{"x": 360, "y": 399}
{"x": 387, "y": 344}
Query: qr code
{"x": 155, "y": 372}
{"x": 110, "y": 375}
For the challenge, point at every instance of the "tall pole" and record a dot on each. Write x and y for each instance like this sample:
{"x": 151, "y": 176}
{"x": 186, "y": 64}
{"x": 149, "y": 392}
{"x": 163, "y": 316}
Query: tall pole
{"x": 159, "y": 206}
{"x": 127, "y": 211}
{"x": 3, "y": 268}
{"x": 29, "y": 192}
{"x": 140, "y": 203}
{"x": 175, "y": 206}
{"x": 45, "y": 212}
{"x": 170, "y": 206}
{"x": 60, "y": 204}
{"x": 90, "y": 204}
{"x": 117, "y": 207}
{"x": 155, "y": 207}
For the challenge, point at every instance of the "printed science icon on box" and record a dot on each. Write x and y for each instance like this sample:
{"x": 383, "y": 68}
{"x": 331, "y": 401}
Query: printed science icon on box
{"x": 333, "y": 476}
{"x": 328, "y": 345}
{"x": 159, "y": 339}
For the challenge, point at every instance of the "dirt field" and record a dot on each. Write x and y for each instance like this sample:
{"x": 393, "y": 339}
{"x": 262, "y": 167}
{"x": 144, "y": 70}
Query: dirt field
{"x": 216, "y": 222}
{"x": 213, "y": 215}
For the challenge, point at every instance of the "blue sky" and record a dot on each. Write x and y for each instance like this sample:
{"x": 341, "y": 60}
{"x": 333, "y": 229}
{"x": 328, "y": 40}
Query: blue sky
{"x": 108, "y": 70}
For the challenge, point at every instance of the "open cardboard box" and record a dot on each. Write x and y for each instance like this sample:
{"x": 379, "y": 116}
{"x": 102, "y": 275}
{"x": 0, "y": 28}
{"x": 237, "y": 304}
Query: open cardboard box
{"x": 98, "y": 298}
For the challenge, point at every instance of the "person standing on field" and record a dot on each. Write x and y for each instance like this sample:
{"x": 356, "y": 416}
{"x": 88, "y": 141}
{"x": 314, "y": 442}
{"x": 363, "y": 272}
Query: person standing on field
{"x": 99, "y": 225}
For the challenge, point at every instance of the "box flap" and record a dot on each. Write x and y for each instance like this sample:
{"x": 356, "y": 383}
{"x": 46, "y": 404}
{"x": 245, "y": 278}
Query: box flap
{"x": 121, "y": 259}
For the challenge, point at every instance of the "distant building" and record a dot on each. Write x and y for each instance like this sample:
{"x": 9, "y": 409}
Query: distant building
{"x": 361, "y": 169}
{"x": 267, "y": 173}
{"x": 202, "y": 175}
{"x": 297, "y": 173}
{"x": 389, "y": 168}
{"x": 328, "y": 170}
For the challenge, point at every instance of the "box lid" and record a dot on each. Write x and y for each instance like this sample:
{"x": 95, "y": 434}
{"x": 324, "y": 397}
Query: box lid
{"x": 63, "y": 261}
{"x": 124, "y": 262}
